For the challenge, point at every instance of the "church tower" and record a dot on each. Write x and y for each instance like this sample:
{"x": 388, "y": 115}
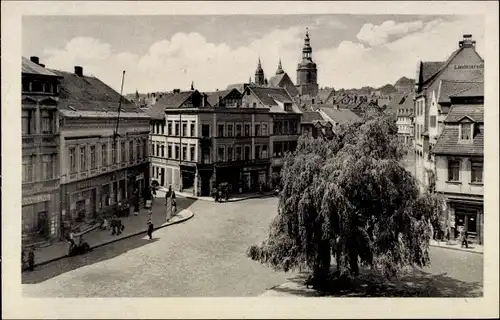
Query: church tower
{"x": 307, "y": 73}
{"x": 280, "y": 69}
{"x": 259, "y": 75}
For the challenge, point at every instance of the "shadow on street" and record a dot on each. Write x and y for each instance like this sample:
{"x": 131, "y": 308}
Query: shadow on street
{"x": 418, "y": 284}
{"x": 59, "y": 267}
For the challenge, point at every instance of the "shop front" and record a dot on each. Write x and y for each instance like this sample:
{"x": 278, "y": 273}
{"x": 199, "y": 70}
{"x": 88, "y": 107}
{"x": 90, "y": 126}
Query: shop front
{"x": 468, "y": 216}
{"x": 249, "y": 178}
{"x": 40, "y": 217}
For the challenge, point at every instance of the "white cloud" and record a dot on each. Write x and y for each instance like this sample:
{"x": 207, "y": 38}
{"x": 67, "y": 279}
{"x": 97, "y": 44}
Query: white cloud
{"x": 173, "y": 63}
{"x": 378, "y": 35}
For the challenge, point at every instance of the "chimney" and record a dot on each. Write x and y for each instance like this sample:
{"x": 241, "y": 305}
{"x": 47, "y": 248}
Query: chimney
{"x": 35, "y": 60}
{"x": 79, "y": 71}
{"x": 467, "y": 41}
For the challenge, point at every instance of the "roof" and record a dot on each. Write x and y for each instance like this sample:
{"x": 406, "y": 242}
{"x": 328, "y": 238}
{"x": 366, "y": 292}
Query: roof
{"x": 448, "y": 142}
{"x": 324, "y": 94}
{"x": 269, "y": 96}
{"x": 169, "y": 100}
{"x": 476, "y": 90}
{"x": 29, "y": 67}
{"x": 450, "y": 88}
{"x": 430, "y": 68}
{"x": 458, "y": 112}
{"x": 275, "y": 80}
{"x": 90, "y": 94}
{"x": 238, "y": 86}
{"x": 311, "y": 117}
{"x": 213, "y": 97}
{"x": 337, "y": 114}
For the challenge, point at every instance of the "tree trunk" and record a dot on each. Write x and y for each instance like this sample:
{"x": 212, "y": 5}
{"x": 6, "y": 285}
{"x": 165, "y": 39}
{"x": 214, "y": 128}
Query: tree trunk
{"x": 322, "y": 268}
{"x": 353, "y": 263}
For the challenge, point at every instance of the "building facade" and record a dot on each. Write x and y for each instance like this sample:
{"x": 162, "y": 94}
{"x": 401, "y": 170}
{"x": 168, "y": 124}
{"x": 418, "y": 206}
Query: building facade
{"x": 432, "y": 91}
{"x": 459, "y": 167}
{"x": 40, "y": 152}
{"x": 103, "y": 156}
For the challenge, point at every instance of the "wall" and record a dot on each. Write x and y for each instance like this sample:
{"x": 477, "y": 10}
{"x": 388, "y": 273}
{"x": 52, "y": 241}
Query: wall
{"x": 464, "y": 186}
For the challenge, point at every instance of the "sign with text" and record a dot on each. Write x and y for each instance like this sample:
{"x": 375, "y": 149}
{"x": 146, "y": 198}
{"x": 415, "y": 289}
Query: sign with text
{"x": 468, "y": 66}
{"x": 36, "y": 199}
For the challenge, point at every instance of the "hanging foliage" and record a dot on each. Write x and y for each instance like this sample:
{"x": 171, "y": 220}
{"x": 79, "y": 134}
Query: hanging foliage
{"x": 349, "y": 198}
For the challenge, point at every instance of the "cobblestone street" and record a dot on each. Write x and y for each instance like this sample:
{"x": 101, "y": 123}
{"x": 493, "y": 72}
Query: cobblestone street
{"x": 205, "y": 256}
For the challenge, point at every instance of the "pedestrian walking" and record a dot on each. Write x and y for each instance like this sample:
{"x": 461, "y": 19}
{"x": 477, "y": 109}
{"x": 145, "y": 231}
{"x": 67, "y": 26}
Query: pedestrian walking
{"x": 154, "y": 192}
{"x": 114, "y": 225}
{"x": 150, "y": 229}
{"x": 463, "y": 237}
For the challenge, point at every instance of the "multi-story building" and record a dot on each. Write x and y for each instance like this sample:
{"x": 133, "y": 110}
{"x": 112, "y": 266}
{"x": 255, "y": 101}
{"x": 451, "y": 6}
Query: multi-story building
{"x": 401, "y": 109}
{"x": 459, "y": 156}
{"x": 103, "y": 154}
{"x": 40, "y": 154}
{"x": 435, "y": 82}
{"x": 238, "y": 139}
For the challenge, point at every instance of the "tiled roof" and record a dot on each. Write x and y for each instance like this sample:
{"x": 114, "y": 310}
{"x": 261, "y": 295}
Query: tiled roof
{"x": 213, "y": 97}
{"x": 323, "y": 94}
{"x": 477, "y": 90}
{"x": 269, "y": 95}
{"x": 275, "y": 80}
{"x": 30, "y": 67}
{"x": 430, "y": 68}
{"x": 338, "y": 115}
{"x": 311, "y": 116}
{"x": 238, "y": 86}
{"x": 458, "y": 112}
{"x": 450, "y": 88}
{"x": 448, "y": 142}
{"x": 167, "y": 101}
{"x": 90, "y": 94}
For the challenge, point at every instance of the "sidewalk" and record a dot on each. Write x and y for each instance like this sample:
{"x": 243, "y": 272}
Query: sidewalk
{"x": 234, "y": 198}
{"x": 133, "y": 225}
{"x": 455, "y": 245}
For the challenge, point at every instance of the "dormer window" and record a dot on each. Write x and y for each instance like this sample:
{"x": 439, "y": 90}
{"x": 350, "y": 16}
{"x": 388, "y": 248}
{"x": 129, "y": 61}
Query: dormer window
{"x": 466, "y": 131}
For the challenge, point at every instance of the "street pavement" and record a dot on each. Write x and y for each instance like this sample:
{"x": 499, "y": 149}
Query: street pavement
{"x": 206, "y": 257}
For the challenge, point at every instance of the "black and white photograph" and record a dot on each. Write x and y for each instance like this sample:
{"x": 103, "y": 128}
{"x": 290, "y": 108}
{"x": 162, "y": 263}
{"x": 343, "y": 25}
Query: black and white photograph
{"x": 237, "y": 154}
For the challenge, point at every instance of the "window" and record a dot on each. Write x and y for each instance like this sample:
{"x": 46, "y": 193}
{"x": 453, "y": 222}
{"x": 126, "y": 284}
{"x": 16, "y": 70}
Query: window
{"x": 238, "y": 153}
{"x": 264, "y": 129}
{"x": 229, "y": 130}
{"x": 177, "y": 128}
{"x": 279, "y": 127}
{"x": 192, "y": 129}
{"x": 205, "y": 130}
{"x": 123, "y": 153}
{"x": 192, "y": 155}
{"x": 220, "y": 154}
{"x": 257, "y": 152}
{"x": 27, "y": 169}
{"x": 254, "y": 104}
{"x": 83, "y": 158}
{"x": 163, "y": 151}
{"x": 169, "y": 151}
{"x": 28, "y": 124}
{"x": 184, "y": 129}
{"x": 238, "y": 130}
{"x": 184, "y": 153}
{"x": 177, "y": 152}
{"x": 247, "y": 153}
{"x": 285, "y": 127}
{"x": 138, "y": 149}
{"x": 264, "y": 152}
{"x": 72, "y": 160}
{"x": 257, "y": 130}
{"x": 104, "y": 154}
{"x": 145, "y": 148}
{"x": 157, "y": 131}
{"x": 466, "y": 133}
{"x": 453, "y": 170}
{"x": 47, "y": 121}
{"x": 131, "y": 151}
{"x": 113, "y": 153}
{"x": 229, "y": 154}
{"x": 247, "y": 130}
{"x": 162, "y": 126}
{"x": 220, "y": 130}
{"x": 48, "y": 166}
{"x": 476, "y": 173}
{"x": 293, "y": 126}
{"x": 169, "y": 128}
{"x": 433, "y": 121}
{"x": 93, "y": 162}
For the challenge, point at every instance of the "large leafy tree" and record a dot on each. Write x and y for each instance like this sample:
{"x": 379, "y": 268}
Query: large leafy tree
{"x": 349, "y": 198}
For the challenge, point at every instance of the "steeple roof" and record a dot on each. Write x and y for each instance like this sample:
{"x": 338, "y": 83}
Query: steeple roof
{"x": 280, "y": 68}
{"x": 259, "y": 68}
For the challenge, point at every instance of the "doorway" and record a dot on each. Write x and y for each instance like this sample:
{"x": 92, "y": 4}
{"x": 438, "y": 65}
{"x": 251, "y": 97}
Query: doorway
{"x": 43, "y": 224}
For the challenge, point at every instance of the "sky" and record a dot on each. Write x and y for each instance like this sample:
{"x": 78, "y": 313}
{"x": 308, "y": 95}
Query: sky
{"x": 162, "y": 52}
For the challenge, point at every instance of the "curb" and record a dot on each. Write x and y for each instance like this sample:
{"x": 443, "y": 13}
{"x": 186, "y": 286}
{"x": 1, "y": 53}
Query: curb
{"x": 233, "y": 200}
{"x": 452, "y": 248}
{"x": 123, "y": 238}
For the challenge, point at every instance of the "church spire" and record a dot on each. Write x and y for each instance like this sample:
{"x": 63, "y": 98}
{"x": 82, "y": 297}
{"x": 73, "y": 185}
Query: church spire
{"x": 280, "y": 68}
{"x": 259, "y": 74}
{"x": 307, "y": 50}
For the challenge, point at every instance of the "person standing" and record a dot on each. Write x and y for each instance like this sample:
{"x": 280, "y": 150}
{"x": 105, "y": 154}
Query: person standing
{"x": 463, "y": 238}
{"x": 31, "y": 259}
{"x": 150, "y": 229}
